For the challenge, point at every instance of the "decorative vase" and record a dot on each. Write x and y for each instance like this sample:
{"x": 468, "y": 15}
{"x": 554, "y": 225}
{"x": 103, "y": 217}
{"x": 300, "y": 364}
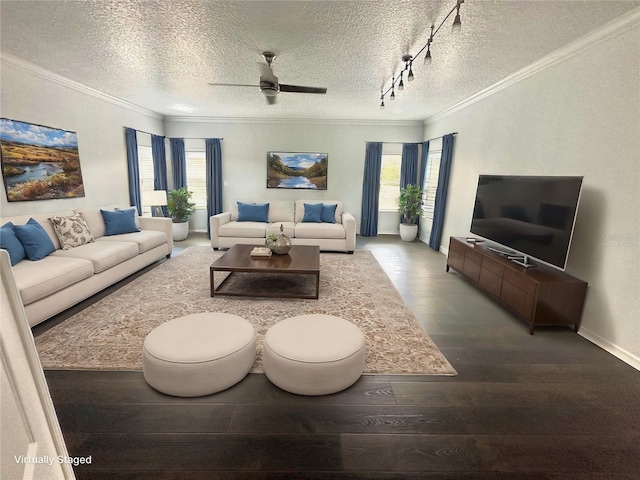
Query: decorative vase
{"x": 281, "y": 245}
{"x": 180, "y": 231}
{"x": 408, "y": 233}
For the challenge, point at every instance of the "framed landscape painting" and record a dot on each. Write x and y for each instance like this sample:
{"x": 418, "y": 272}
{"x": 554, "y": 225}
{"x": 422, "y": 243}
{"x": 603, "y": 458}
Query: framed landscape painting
{"x": 297, "y": 170}
{"x": 38, "y": 162}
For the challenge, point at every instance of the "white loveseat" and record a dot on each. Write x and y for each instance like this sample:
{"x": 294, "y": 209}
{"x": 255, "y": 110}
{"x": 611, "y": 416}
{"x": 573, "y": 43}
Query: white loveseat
{"x": 340, "y": 236}
{"x": 65, "y": 277}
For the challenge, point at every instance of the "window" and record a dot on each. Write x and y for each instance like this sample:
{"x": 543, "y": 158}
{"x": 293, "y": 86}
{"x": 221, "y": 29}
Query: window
{"x": 145, "y": 171}
{"x": 196, "y": 177}
{"x": 389, "y": 182}
{"x": 431, "y": 184}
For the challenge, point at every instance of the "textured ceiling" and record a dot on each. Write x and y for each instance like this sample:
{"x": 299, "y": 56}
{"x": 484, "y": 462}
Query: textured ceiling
{"x": 161, "y": 55}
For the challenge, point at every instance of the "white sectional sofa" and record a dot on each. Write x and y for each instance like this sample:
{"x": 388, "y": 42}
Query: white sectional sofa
{"x": 227, "y": 229}
{"x": 65, "y": 277}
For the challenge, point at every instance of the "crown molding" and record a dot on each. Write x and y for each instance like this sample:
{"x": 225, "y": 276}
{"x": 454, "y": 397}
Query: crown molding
{"x": 600, "y": 35}
{"x": 297, "y": 121}
{"x": 8, "y": 59}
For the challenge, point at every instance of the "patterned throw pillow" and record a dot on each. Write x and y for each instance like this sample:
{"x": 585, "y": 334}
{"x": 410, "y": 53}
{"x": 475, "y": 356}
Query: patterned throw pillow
{"x": 72, "y": 231}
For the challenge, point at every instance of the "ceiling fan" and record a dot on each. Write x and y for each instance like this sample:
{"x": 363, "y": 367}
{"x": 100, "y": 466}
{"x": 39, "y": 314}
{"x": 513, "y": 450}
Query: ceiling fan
{"x": 269, "y": 85}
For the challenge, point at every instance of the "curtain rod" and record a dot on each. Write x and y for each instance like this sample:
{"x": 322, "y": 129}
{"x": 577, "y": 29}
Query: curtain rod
{"x": 184, "y": 138}
{"x": 435, "y": 138}
{"x": 417, "y": 143}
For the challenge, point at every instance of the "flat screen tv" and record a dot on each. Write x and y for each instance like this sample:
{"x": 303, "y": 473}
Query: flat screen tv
{"x": 533, "y": 215}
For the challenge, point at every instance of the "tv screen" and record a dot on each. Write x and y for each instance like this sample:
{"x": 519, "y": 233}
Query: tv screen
{"x": 532, "y": 215}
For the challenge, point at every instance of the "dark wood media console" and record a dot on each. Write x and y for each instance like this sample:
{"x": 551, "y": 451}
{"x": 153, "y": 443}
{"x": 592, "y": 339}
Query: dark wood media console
{"x": 539, "y": 295}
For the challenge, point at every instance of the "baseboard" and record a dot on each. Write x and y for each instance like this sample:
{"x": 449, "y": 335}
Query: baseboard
{"x": 614, "y": 350}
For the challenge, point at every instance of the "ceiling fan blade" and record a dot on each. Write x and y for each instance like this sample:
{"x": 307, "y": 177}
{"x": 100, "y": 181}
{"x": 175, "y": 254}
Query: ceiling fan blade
{"x": 232, "y": 85}
{"x": 271, "y": 100}
{"x": 299, "y": 89}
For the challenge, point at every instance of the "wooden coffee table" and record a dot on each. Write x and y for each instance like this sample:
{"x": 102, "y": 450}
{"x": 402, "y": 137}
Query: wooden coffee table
{"x": 301, "y": 260}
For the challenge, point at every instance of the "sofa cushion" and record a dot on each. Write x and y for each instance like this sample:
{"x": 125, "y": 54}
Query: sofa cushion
{"x": 243, "y": 229}
{"x": 299, "y": 209}
{"x": 11, "y": 244}
{"x": 280, "y": 211}
{"x": 319, "y": 230}
{"x": 146, "y": 239}
{"x": 37, "y": 280}
{"x": 103, "y": 254}
{"x": 253, "y": 212}
{"x": 329, "y": 212}
{"x": 289, "y": 229}
{"x": 72, "y": 231}
{"x": 34, "y": 239}
{"x": 312, "y": 212}
{"x": 94, "y": 219}
{"x": 119, "y": 221}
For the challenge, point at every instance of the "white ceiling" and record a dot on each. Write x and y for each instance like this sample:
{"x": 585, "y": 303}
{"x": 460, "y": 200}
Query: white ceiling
{"x": 161, "y": 55}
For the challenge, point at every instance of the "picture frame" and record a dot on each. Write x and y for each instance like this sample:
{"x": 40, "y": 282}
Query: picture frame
{"x": 297, "y": 170}
{"x": 39, "y": 162}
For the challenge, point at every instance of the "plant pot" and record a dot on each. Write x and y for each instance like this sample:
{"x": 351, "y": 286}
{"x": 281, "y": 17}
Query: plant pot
{"x": 408, "y": 233}
{"x": 180, "y": 231}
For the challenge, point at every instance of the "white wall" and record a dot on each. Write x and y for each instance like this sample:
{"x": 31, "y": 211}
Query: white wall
{"x": 246, "y": 143}
{"x": 32, "y": 95}
{"x": 579, "y": 116}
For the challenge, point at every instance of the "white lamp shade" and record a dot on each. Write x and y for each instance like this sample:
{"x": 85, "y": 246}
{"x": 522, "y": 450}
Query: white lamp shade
{"x": 154, "y": 198}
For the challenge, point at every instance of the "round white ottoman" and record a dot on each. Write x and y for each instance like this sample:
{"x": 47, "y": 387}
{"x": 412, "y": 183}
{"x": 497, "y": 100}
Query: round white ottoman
{"x": 313, "y": 354}
{"x": 198, "y": 354}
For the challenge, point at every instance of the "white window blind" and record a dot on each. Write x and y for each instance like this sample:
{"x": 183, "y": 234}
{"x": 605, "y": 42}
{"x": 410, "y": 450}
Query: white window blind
{"x": 430, "y": 184}
{"x": 145, "y": 171}
{"x": 196, "y": 177}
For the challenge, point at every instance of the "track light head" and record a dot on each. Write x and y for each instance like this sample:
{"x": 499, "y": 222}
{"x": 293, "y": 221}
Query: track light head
{"x": 427, "y": 57}
{"x": 457, "y": 23}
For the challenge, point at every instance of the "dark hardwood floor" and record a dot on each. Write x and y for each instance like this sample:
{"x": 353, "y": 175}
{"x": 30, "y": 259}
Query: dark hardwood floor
{"x": 547, "y": 406}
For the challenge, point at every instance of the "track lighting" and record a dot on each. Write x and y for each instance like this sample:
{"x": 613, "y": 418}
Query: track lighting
{"x": 457, "y": 23}
{"x": 408, "y": 59}
{"x": 427, "y": 57}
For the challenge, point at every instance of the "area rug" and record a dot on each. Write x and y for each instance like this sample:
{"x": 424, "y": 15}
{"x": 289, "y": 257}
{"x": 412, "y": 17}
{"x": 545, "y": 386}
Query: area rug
{"x": 109, "y": 334}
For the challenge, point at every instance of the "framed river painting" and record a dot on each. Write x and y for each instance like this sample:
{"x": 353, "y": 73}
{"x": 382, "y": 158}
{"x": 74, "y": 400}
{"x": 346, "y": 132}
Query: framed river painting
{"x": 297, "y": 170}
{"x": 38, "y": 162}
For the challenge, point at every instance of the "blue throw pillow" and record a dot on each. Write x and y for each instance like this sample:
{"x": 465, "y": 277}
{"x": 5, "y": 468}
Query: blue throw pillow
{"x": 329, "y": 213}
{"x": 312, "y": 212}
{"x": 253, "y": 212}
{"x": 119, "y": 221}
{"x": 34, "y": 239}
{"x": 11, "y": 244}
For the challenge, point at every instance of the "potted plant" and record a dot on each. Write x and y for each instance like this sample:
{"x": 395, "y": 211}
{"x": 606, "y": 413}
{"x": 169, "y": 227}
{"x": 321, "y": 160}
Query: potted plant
{"x": 180, "y": 207}
{"x": 410, "y": 204}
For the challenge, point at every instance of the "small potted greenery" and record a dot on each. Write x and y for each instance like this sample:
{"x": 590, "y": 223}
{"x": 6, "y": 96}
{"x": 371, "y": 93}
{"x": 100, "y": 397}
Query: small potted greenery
{"x": 410, "y": 204}
{"x": 180, "y": 208}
